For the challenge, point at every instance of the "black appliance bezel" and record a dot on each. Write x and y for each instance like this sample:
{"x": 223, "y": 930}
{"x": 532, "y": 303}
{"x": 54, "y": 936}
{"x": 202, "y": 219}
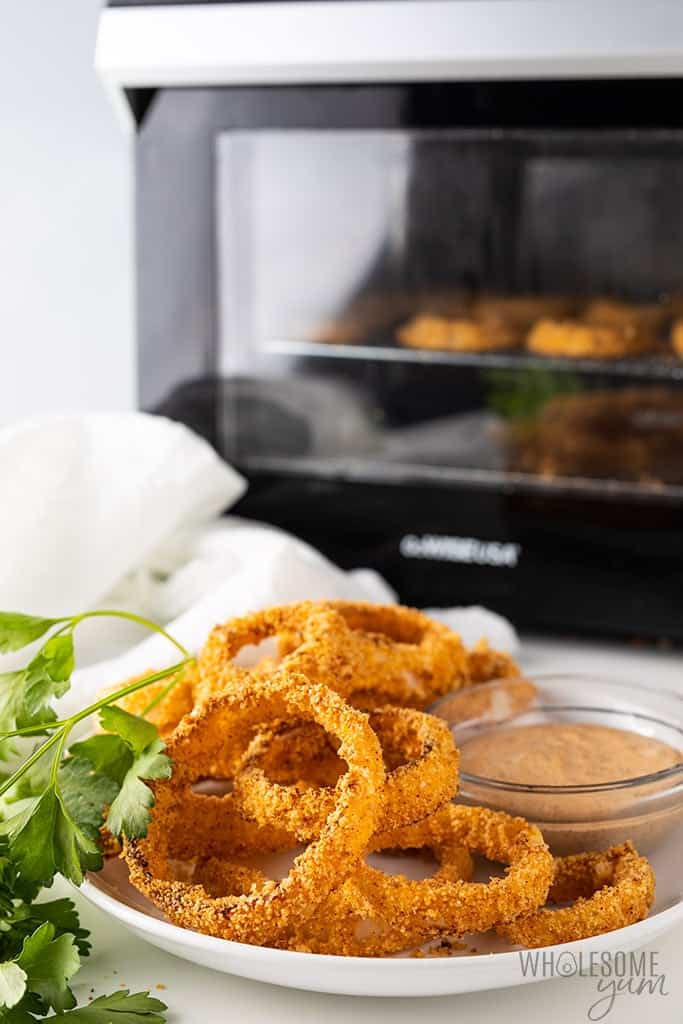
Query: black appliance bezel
{"x": 587, "y": 565}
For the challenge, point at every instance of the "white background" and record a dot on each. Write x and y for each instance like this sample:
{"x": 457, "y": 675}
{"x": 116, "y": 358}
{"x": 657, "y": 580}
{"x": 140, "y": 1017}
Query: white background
{"x": 66, "y": 306}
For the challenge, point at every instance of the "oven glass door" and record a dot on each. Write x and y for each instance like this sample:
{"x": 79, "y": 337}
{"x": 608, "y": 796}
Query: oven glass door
{"x": 502, "y": 307}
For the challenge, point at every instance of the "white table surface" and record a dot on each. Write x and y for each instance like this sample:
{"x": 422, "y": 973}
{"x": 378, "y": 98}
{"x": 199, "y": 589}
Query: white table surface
{"x": 198, "y": 996}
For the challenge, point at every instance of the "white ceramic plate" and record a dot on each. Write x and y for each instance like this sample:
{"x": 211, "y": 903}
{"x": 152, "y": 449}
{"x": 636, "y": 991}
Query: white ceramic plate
{"x": 493, "y": 965}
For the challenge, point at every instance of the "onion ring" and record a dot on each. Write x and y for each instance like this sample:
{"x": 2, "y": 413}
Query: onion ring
{"x": 227, "y": 878}
{"x": 407, "y": 658}
{"x": 577, "y": 339}
{"x": 261, "y": 915}
{"x": 422, "y": 774}
{"x": 351, "y": 924}
{"x": 346, "y": 923}
{"x": 484, "y": 664}
{"x": 316, "y": 646}
{"x": 436, "y": 906}
{"x": 459, "y": 334}
{"x": 610, "y": 888}
{"x": 396, "y": 654}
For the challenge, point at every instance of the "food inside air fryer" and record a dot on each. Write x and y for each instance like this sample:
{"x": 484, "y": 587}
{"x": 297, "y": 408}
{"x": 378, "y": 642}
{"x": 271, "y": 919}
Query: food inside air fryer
{"x": 677, "y": 337}
{"x": 452, "y": 320}
{"x": 645, "y": 319}
{"x": 459, "y": 335}
{"x": 524, "y": 310}
{"x": 579, "y": 339}
{"x": 633, "y": 434}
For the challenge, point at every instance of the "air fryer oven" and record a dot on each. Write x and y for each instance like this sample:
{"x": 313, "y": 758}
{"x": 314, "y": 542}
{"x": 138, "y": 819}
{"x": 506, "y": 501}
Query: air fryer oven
{"x": 340, "y": 284}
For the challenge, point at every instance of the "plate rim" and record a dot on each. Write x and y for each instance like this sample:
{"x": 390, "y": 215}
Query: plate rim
{"x": 117, "y": 909}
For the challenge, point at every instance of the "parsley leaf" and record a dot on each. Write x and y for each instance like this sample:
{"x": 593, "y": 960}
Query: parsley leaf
{"x": 31, "y": 834}
{"x": 85, "y": 794}
{"x": 48, "y": 674}
{"x": 20, "y": 918}
{"x": 25, "y": 1012}
{"x": 13, "y": 713}
{"x": 25, "y": 696}
{"x": 137, "y": 732}
{"x": 25, "y": 918}
{"x": 49, "y": 964}
{"x": 107, "y": 753}
{"x": 8, "y": 878}
{"x": 17, "y": 630}
{"x": 129, "y": 812}
{"x": 57, "y": 832}
{"x": 119, "y": 1008}
{"x": 51, "y": 814}
{"x": 128, "y": 752}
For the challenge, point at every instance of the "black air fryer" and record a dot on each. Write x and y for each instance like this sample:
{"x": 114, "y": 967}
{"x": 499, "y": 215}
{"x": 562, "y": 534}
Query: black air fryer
{"x": 423, "y": 285}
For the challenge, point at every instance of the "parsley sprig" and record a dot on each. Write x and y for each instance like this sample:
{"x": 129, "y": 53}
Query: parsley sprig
{"x": 56, "y": 801}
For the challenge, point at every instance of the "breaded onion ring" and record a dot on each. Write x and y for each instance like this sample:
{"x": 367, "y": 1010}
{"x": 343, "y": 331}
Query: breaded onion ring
{"x": 677, "y": 337}
{"x": 289, "y": 753}
{"x": 462, "y": 334}
{"x": 611, "y": 889}
{"x": 316, "y": 645}
{"x": 211, "y": 825}
{"x": 397, "y": 653}
{"x": 407, "y": 658}
{"x": 484, "y": 664}
{"x": 349, "y": 923}
{"x": 436, "y": 906}
{"x": 227, "y": 878}
{"x": 231, "y": 719}
{"x": 346, "y": 924}
{"x": 422, "y": 774}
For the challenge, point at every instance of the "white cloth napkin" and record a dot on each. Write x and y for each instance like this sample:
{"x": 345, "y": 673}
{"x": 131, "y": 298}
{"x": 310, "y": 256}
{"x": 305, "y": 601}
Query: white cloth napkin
{"x": 87, "y": 499}
{"x": 260, "y": 566}
{"x": 122, "y": 511}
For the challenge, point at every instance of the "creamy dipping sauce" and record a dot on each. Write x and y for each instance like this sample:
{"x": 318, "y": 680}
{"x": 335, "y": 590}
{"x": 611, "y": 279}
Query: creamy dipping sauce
{"x": 564, "y": 754}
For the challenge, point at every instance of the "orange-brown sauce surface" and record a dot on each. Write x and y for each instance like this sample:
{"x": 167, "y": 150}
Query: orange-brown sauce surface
{"x": 565, "y": 754}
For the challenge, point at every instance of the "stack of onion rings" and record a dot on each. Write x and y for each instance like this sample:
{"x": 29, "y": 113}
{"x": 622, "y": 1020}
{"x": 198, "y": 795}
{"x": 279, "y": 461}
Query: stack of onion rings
{"x": 324, "y": 742}
{"x": 372, "y": 654}
{"x": 260, "y": 915}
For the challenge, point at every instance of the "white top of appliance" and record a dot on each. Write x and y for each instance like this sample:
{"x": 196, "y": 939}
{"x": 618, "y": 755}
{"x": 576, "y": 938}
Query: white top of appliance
{"x": 387, "y": 41}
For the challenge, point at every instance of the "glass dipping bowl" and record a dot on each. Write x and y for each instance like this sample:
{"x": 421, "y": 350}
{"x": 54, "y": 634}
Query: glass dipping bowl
{"x": 644, "y": 809}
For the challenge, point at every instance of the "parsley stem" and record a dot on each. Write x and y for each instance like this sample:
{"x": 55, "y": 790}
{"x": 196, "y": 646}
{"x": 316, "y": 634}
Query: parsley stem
{"x": 63, "y": 728}
{"x": 31, "y": 730}
{"x": 163, "y": 693}
{"x": 131, "y": 617}
{"x": 37, "y": 730}
{"x": 57, "y": 759}
{"x": 110, "y": 698}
